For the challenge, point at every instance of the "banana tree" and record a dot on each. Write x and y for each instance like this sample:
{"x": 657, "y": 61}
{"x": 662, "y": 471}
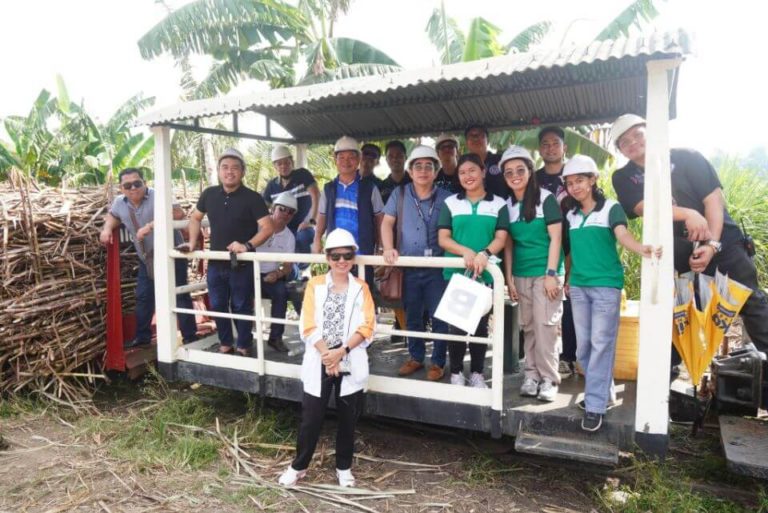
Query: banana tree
{"x": 265, "y": 40}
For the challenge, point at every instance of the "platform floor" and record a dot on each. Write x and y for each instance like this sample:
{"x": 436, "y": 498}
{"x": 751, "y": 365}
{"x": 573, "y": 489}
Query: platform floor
{"x": 386, "y": 357}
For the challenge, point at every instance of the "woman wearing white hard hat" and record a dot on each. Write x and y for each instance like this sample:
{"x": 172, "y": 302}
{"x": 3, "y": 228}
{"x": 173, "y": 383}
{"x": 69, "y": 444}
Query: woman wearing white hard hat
{"x": 594, "y": 225}
{"x": 533, "y": 266}
{"x": 337, "y": 324}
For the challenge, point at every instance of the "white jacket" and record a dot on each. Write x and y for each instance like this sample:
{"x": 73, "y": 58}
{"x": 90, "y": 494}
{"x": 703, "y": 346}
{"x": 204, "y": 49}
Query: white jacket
{"x": 359, "y": 316}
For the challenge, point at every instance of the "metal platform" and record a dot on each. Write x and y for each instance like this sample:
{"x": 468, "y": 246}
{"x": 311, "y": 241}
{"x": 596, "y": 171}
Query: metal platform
{"x": 519, "y": 414}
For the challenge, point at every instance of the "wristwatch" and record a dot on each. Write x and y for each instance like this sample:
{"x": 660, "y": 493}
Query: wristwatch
{"x": 716, "y": 245}
{"x": 552, "y": 273}
{"x": 487, "y": 253}
{"x": 347, "y": 349}
{"x": 312, "y": 222}
{"x": 249, "y": 246}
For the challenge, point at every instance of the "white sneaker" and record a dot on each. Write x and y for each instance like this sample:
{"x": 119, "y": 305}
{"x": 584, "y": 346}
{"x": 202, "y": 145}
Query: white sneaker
{"x": 290, "y": 477}
{"x": 547, "y": 391}
{"x": 346, "y": 479}
{"x": 477, "y": 380}
{"x": 457, "y": 379}
{"x": 530, "y": 387}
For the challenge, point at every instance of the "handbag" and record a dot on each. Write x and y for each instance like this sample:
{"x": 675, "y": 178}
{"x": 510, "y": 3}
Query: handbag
{"x": 391, "y": 279}
{"x": 464, "y": 302}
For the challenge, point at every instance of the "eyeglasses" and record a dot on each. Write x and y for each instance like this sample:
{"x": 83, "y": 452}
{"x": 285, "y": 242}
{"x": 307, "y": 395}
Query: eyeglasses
{"x": 423, "y": 167}
{"x": 514, "y": 172}
{"x": 338, "y": 256}
{"x": 138, "y": 184}
{"x": 286, "y": 210}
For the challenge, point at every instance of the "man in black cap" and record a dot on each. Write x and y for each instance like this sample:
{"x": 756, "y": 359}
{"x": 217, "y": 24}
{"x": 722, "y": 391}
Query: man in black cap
{"x": 369, "y": 159}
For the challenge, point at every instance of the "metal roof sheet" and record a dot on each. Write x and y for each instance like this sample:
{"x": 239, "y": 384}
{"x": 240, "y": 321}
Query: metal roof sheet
{"x": 570, "y": 86}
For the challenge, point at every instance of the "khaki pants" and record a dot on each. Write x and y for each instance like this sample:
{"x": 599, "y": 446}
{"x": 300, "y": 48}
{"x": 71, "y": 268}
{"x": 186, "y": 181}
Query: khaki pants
{"x": 539, "y": 319}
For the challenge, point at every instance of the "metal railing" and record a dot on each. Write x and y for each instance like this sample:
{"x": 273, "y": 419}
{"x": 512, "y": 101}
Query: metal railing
{"x": 493, "y": 396}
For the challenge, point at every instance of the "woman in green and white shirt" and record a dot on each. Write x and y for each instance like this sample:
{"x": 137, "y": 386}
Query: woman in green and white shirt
{"x": 533, "y": 269}
{"x": 594, "y": 225}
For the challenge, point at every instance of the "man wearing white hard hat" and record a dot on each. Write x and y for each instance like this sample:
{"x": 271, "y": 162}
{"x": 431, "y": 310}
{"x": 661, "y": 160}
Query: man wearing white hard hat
{"x": 301, "y": 185}
{"x": 230, "y": 287}
{"x": 274, "y": 275}
{"x": 700, "y": 215}
{"x": 350, "y": 201}
{"x": 409, "y": 228}
{"x": 447, "y": 147}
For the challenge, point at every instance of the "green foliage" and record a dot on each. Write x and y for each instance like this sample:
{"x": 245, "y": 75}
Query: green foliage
{"x": 637, "y": 14}
{"x": 482, "y": 40}
{"x": 529, "y": 37}
{"x": 447, "y": 37}
{"x": 58, "y": 140}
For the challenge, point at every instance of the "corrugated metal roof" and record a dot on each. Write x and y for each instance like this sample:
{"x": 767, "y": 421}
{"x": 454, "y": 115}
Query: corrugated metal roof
{"x": 570, "y": 86}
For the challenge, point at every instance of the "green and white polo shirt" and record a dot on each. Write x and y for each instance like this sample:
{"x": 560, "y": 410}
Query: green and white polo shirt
{"x": 531, "y": 239}
{"x": 473, "y": 225}
{"x": 594, "y": 257}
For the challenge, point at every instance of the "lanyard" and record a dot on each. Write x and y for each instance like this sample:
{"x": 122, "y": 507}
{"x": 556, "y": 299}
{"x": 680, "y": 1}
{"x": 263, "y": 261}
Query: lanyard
{"x": 417, "y": 203}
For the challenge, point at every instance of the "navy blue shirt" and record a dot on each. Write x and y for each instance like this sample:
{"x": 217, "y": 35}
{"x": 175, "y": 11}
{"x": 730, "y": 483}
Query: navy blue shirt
{"x": 298, "y": 185}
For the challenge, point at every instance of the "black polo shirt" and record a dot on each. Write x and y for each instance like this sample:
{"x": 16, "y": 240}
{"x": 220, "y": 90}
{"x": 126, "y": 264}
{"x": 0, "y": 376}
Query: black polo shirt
{"x": 693, "y": 179}
{"x": 233, "y": 216}
{"x": 388, "y": 185}
{"x": 553, "y": 183}
{"x": 494, "y": 178}
{"x": 448, "y": 182}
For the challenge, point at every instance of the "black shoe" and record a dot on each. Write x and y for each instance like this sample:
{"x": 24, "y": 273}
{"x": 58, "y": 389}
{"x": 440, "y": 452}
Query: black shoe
{"x": 591, "y": 421}
{"x": 136, "y": 343}
{"x": 189, "y": 340}
{"x": 277, "y": 345}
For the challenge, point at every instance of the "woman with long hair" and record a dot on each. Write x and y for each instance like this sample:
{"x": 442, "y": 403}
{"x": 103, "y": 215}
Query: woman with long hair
{"x": 337, "y": 324}
{"x": 595, "y": 223}
{"x": 533, "y": 268}
{"x": 473, "y": 226}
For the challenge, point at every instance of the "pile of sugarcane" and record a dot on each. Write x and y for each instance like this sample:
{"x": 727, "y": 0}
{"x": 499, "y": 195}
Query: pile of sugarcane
{"x": 53, "y": 287}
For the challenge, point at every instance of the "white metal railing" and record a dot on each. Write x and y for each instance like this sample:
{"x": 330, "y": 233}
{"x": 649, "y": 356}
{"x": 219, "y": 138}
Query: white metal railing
{"x": 493, "y": 396}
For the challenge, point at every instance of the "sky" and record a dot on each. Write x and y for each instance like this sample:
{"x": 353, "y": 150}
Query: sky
{"x": 721, "y": 102}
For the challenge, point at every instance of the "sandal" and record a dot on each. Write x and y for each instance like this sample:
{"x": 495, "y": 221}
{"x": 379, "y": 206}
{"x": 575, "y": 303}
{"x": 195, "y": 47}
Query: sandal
{"x": 243, "y": 352}
{"x": 226, "y": 350}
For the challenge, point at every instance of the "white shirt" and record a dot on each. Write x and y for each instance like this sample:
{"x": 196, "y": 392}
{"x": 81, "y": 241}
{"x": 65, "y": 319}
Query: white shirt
{"x": 281, "y": 242}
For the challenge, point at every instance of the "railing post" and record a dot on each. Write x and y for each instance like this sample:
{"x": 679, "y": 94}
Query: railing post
{"x": 497, "y": 352}
{"x": 657, "y": 278}
{"x": 165, "y": 283}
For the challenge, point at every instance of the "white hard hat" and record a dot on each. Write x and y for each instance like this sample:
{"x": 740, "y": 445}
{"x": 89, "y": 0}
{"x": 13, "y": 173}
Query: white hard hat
{"x": 580, "y": 164}
{"x": 422, "y": 151}
{"x": 516, "y": 152}
{"x": 443, "y": 137}
{"x": 280, "y": 152}
{"x": 340, "y": 238}
{"x": 346, "y": 143}
{"x": 232, "y": 153}
{"x": 286, "y": 199}
{"x": 624, "y": 123}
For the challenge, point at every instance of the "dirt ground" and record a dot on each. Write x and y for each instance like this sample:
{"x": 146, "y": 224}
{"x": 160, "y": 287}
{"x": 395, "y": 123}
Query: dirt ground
{"x": 54, "y": 464}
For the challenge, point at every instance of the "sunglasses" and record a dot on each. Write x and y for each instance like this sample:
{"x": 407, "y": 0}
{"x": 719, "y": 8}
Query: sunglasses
{"x": 338, "y": 256}
{"x": 286, "y": 210}
{"x": 138, "y": 184}
{"x": 515, "y": 172}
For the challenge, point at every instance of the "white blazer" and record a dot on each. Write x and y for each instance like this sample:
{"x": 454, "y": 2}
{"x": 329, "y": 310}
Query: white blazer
{"x": 359, "y": 316}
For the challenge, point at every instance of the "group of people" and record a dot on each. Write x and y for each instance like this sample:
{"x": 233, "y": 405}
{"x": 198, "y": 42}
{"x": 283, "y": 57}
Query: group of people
{"x": 554, "y": 229}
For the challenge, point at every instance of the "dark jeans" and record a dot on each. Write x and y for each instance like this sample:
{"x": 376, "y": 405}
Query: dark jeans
{"x": 422, "y": 291}
{"x": 278, "y": 293}
{"x": 232, "y": 290}
{"x": 145, "y": 303}
{"x": 457, "y": 350}
{"x": 734, "y": 261}
{"x": 568, "y": 333}
{"x": 312, "y": 415}
{"x": 304, "y": 240}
